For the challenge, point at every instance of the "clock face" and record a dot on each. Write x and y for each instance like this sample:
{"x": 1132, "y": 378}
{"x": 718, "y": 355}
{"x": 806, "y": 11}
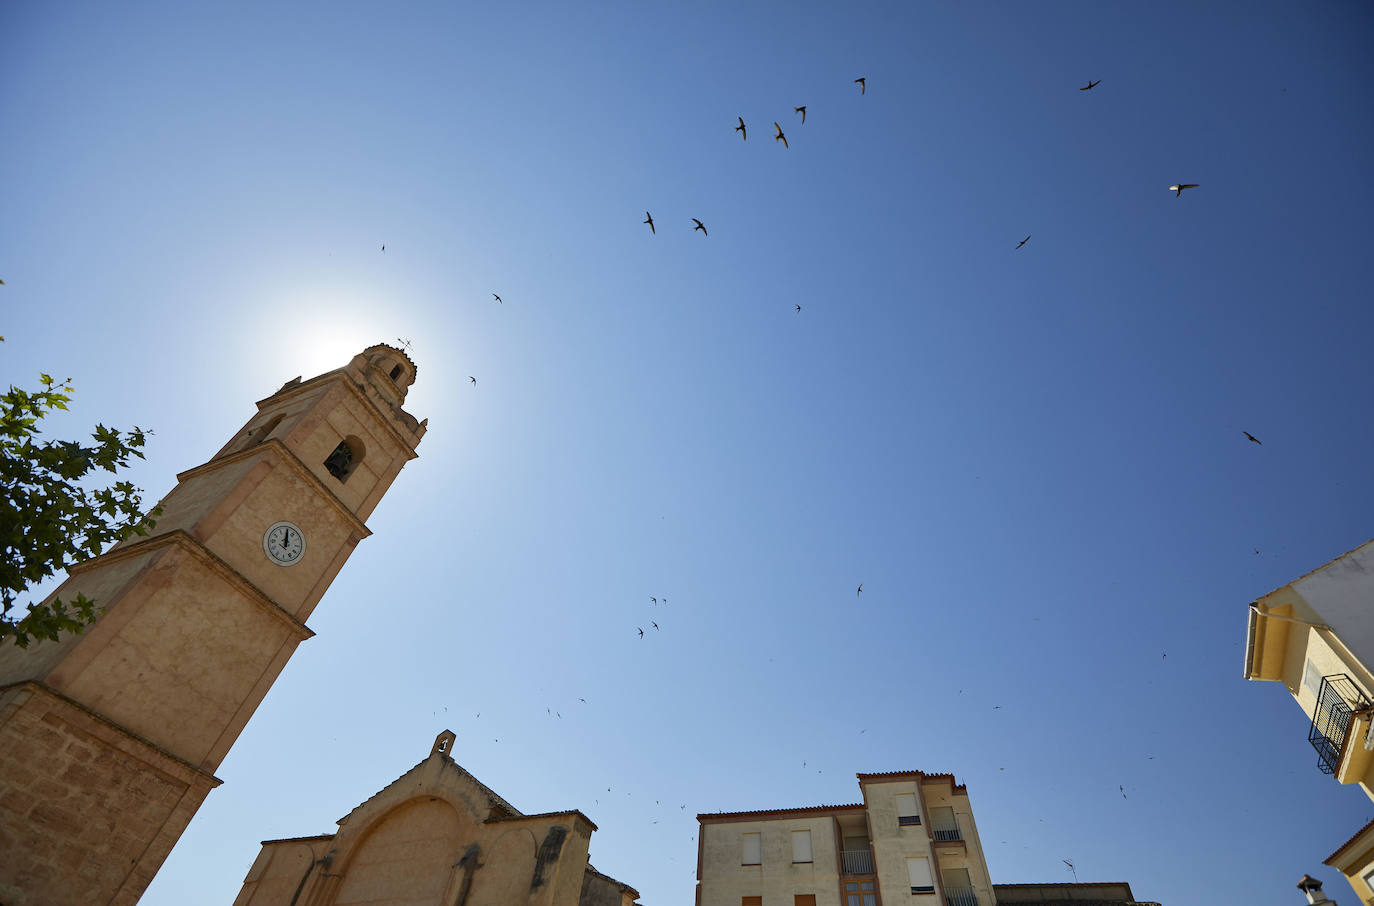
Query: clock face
{"x": 284, "y": 543}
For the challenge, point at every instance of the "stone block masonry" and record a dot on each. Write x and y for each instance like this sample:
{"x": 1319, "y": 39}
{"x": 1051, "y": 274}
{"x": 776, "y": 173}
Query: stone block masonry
{"x": 80, "y": 801}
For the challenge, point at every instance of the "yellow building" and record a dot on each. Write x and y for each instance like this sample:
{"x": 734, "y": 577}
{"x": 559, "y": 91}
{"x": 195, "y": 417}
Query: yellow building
{"x": 436, "y": 836}
{"x": 1316, "y": 636}
{"x": 109, "y": 739}
{"x": 912, "y": 834}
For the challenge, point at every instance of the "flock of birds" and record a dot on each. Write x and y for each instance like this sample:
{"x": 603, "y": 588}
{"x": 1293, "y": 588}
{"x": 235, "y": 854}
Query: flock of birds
{"x": 699, "y": 226}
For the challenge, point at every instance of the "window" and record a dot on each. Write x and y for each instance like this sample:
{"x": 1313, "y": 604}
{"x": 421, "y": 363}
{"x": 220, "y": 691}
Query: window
{"x": 396, "y": 372}
{"x": 804, "y": 899}
{"x": 956, "y": 879}
{"x": 345, "y": 458}
{"x": 1311, "y": 678}
{"x": 859, "y": 893}
{"x": 907, "y": 813}
{"x": 751, "y": 901}
{"x": 943, "y": 824}
{"x": 753, "y": 852}
{"x": 801, "y": 846}
{"x": 918, "y": 872}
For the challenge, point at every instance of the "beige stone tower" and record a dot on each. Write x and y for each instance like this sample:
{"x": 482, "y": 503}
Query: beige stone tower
{"x": 109, "y": 740}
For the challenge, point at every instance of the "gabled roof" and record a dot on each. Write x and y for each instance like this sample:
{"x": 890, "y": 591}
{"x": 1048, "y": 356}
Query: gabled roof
{"x": 496, "y": 802}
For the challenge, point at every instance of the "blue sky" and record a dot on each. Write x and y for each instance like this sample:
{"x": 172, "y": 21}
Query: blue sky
{"x": 1032, "y": 459}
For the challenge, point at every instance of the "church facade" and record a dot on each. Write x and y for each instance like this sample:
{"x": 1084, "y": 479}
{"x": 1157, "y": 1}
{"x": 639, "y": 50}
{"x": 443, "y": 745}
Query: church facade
{"x": 109, "y": 739}
{"x": 436, "y": 836}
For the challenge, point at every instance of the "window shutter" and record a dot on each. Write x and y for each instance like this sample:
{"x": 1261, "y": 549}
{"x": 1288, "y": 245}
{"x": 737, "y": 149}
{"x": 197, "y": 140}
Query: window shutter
{"x": 752, "y": 854}
{"x": 804, "y": 899}
{"x": 801, "y": 846}
{"x": 906, "y": 809}
{"x": 918, "y": 871}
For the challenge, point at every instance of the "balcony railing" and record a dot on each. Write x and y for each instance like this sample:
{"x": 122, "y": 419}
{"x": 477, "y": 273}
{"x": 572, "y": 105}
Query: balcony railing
{"x": 1337, "y": 699}
{"x": 960, "y": 896}
{"x": 946, "y": 831}
{"x": 857, "y": 861}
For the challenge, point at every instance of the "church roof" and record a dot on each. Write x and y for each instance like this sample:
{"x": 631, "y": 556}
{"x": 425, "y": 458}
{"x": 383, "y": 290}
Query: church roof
{"x": 496, "y": 802}
{"x": 620, "y": 884}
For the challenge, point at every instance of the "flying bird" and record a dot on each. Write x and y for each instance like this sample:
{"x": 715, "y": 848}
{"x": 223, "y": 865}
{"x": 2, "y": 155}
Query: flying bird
{"x": 860, "y": 591}
{"x": 652, "y": 598}
{"x": 1091, "y": 84}
{"x": 699, "y": 226}
{"x": 496, "y": 297}
{"x": 798, "y": 308}
{"x": 653, "y": 624}
{"x": 384, "y": 246}
{"x": 1123, "y": 791}
{"x": 802, "y": 111}
{"x": 742, "y": 129}
{"x": 1023, "y": 242}
{"x": 863, "y": 85}
{"x": 1253, "y": 438}
{"x": 779, "y": 137}
{"x": 641, "y": 635}
{"x": 473, "y": 379}
{"x": 1178, "y": 189}
{"x": 649, "y": 219}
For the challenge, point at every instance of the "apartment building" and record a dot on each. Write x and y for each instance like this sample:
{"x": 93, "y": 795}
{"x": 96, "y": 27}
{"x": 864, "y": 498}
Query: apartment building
{"x": 912, "y": 836}
{"x": 1315, "y": 635}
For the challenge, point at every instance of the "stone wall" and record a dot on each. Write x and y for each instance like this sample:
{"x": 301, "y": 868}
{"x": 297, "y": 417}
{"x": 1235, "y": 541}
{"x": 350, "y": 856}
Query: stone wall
{"x": 84, "y": 807}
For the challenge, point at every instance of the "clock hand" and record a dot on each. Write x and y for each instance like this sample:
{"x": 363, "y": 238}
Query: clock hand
{"x": 285, "y": 538}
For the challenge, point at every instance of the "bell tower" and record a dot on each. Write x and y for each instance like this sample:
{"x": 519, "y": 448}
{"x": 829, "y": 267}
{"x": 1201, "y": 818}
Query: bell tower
{"x": 109, "y": 739}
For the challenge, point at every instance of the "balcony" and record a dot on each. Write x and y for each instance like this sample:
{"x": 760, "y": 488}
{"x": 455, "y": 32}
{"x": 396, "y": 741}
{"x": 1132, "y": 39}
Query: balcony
{"x": 960, "y": 896}
{"x": 946, "y": 831}
{"x": 856, "y": 861}
{"x": 1338, "y": 699}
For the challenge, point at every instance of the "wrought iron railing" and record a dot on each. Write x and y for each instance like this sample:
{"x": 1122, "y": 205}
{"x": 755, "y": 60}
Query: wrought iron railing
{"x": 857, "y": 861}
{"x": 1337, "y": 699}
{"x": 942, "y": 830}
{"x": 960, "y": 896}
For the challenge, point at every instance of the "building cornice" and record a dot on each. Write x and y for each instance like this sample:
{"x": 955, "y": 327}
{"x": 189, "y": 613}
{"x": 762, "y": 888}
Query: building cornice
{"x": 179, "y": 538}
{"x": 1362, "y": 832}
{"x": 341, "y": 375}
{"x": 918, "y": 776}
{"x": 293, "y": 462}
{"x": 170, "y": 763}
{"x": 773, "y": 814}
